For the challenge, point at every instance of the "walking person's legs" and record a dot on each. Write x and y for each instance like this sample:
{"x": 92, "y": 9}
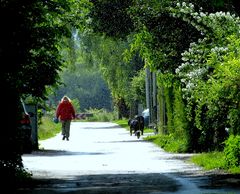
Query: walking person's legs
{"x": 63, "y": 130}
{"x": 67, "y": 129}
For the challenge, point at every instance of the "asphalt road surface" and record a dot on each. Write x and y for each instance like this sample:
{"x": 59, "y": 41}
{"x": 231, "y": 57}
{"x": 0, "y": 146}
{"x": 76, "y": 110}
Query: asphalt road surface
{"x": 102, "y": 158}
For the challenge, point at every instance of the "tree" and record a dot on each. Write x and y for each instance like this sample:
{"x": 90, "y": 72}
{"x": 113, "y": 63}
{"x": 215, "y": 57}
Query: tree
{"x": 107, "y": 54}
{"x": 86, "y": 85}
{"x": 30, "y": 40}
{"x": 110, "y": 17}
{"x": 178, "y": 48}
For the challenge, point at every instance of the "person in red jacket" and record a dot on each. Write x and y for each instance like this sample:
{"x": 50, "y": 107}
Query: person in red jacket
{"x": 65, "y": 113}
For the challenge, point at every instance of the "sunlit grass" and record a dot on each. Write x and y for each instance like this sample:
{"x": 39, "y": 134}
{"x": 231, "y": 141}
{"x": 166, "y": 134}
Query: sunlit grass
{"x": 168, "y": 142}
{"x": 48, "y": 128}
{"x": 212, "y": 161}
{"x": 101, "y": 115}
{"x": 209, "y": 161}
{"x": 148, "y": 130}
{"x": 123, "y": 123}
{"x": 235, "y": 170}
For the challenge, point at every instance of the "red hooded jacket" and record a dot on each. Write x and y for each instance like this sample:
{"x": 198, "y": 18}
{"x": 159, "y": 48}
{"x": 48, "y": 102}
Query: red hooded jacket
{"x": 65, "y": 111}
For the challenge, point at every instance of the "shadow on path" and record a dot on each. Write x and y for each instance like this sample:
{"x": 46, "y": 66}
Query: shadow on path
{"x": 105, "y": 183}
{"x": 47, "y": 152}
{"x": 145, "y": 183}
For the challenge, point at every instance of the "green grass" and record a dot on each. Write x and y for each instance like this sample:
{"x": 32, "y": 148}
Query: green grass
{"x": 168, "y": 142}
{"x": 48, "y": 128}
{"x": 213, "y": 160}
{"x": 209, "y": 161}
{"x": 101, "y": 115}
{"x": 148, "y": 130}
{"x": 123, "y": 123}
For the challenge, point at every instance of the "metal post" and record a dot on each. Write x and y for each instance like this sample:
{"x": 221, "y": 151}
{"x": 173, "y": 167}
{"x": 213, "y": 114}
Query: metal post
{"x": 147, "y": 80}
{"x": 32, "y": 110}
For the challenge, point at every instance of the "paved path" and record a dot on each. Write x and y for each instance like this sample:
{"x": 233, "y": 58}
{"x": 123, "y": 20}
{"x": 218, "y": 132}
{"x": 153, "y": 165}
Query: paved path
{"x": 102, "y": 157}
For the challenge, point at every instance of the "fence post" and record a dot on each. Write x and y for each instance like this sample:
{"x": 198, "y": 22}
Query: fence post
{"x": 32, "y": 110}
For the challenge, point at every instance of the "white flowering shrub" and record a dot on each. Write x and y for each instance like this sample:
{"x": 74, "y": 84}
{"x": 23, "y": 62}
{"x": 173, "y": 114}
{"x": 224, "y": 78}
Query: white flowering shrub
{"x": 210, "y": 72}
{"x": 214, "y": 28}
{"x": 222, "y": 90}
{"x": 207, "y": 70}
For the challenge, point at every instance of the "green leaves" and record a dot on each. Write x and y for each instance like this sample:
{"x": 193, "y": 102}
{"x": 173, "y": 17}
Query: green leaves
{"x": 232, "y": 151}
{"x": 34, "y": 39}
{"x": 110, "y": 17}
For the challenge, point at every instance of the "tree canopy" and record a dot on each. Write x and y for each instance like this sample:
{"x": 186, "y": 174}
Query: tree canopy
{"x": 30, "y": 41}
{"x": 191, "y": 45}
{"x": 31, "y": 36}
{"x": 186, "y": 43}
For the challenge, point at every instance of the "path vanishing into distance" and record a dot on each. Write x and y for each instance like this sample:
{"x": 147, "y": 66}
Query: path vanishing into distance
{"x": 102, "y": 157}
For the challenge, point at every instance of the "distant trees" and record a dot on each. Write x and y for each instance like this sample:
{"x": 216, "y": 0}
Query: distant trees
{"x": 104, "y": 54}
{"x": 118, "y": 70}
{"x": 85, "y": 85}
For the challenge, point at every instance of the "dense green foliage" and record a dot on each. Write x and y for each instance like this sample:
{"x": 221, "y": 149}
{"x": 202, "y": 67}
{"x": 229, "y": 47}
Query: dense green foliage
{"x": 31, "y": 36}
{"x": 208, "y": 100}
{"x": 186, "y": 55}
{"x": 48, "y": 128}
{"x": 106, "y": 54}
{"x": 111, "y": 18}
{"x": 232, "y": 152}
{"x": 193, "y": 47}
{"x": 102, "y": 115}
{"x": 81, "y": 78}
{"x": 196, "y": 60}
{"x": 86, "y": 86}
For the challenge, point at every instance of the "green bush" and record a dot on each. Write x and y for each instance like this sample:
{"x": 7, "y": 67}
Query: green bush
{"x": 101, "y": 115}
{"x": 48, "y": 128}
{"x": 232, "y": 151}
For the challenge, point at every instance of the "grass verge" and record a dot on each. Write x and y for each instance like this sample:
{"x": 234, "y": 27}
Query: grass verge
{"x": 168, "y": 142}
{"x": 123, "y": 123}
{"x": 48, "y": 128}
{"x": 209, "y": 161}
{"x": 213, "y": 161}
